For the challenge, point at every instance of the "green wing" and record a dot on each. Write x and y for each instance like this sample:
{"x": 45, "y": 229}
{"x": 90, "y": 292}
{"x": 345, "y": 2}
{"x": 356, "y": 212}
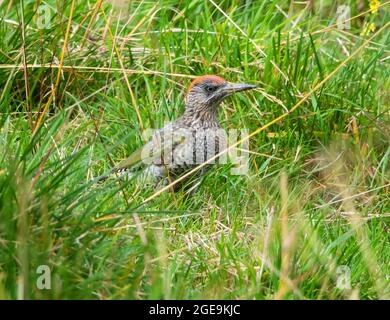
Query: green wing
{"x": 157, "y": 148}
{"x": 132, "y": 160}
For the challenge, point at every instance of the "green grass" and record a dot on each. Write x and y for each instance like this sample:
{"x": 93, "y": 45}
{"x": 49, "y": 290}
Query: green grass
{"x": 316, "y": 197}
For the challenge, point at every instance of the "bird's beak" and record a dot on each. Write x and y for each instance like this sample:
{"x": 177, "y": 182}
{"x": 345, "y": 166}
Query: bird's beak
{"x": 228, "y": 89}
{"x": 236, "y": 87}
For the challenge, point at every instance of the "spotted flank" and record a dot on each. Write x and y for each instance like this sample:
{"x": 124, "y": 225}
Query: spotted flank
{"x": 192, "y": 139}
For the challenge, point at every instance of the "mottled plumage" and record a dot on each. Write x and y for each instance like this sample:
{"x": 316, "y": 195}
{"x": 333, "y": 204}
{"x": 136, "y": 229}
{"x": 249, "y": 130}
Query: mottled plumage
{"x": 193, "y": 138}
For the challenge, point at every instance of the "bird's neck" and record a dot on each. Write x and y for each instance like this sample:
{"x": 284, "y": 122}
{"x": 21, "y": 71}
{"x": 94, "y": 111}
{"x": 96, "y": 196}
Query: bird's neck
{"x": 203, "y": 115}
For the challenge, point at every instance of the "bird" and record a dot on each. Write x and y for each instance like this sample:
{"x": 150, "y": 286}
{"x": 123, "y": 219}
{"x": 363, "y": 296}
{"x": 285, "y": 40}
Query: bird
{"x": 190, "y": 140}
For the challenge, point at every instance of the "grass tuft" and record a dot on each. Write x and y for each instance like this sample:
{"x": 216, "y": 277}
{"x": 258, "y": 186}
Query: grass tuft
{"x": 80, "y": 81}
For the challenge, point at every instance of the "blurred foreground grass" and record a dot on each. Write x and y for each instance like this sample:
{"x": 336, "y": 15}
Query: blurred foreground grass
{"x": 79, "y": 80}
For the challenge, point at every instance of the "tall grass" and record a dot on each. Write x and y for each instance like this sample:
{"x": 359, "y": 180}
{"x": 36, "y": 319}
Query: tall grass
{"x": 309, "y": 221}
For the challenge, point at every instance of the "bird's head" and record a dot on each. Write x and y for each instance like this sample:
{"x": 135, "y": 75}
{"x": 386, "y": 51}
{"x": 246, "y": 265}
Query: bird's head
{"x": 205, "y": 93}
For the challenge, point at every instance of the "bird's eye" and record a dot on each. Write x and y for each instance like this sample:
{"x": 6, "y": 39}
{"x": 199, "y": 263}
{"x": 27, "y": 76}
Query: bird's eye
{"x": 211, "y": 88}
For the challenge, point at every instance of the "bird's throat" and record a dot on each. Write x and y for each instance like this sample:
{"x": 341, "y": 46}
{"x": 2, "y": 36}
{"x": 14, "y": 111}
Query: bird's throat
{"x": 204, "y": 116}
